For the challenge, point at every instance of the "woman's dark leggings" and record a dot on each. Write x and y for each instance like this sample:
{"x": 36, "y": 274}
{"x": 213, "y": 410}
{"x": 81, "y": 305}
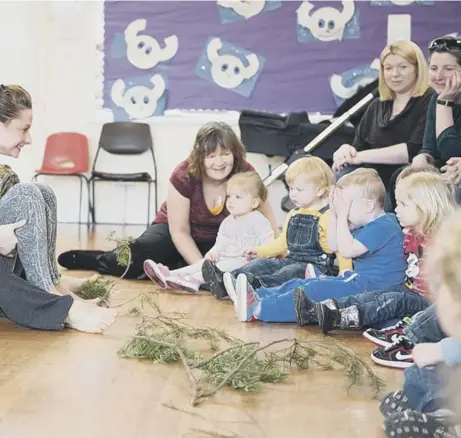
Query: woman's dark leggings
{"x": 155, "y": 244}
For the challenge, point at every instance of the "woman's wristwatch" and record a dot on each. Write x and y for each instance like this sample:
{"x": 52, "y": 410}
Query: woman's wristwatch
{"x": 445, "y": 102}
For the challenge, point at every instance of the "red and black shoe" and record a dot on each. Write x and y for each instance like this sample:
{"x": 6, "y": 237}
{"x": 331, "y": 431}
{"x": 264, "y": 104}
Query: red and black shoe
{"x": 397, "y": 355}
{"x": 388, "y": 335}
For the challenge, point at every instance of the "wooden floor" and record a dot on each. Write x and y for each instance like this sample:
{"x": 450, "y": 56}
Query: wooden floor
{"x": 73, "y": 385}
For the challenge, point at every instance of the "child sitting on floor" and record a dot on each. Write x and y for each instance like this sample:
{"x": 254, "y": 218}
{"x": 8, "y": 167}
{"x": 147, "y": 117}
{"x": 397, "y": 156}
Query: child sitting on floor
{"x": 244, "y": 227}
{"x": 423, "y": 200}
{"x": 423, "y": 407}
{"x": 375, "y": 245}
{"x": 304, "y": 234}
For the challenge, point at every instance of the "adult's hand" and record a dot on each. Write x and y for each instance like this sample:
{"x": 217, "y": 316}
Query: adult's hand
{"x": 452, "y": 171}
{"x": 343, "y": 157}
{"x": 452, "y": 90}
{"x": 8, "y": 239}
{"x": 420, "y": 160}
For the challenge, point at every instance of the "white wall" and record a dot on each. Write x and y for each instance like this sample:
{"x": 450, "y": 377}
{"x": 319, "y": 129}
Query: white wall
{"x": 51, "y": 48}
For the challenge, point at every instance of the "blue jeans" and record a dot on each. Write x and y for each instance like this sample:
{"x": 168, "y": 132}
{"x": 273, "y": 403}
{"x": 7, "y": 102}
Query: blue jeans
{"x": 273, "y": 272}
{"x": 385, "y": 304}
{"x": 277, "y": 303}
{"x": 425, "y": 327}
{"x": 424, "y": 388}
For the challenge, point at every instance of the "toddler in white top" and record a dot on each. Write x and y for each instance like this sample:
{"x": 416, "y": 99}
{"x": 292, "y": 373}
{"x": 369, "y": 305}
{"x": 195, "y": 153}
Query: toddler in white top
{"x": 245, "y": 227}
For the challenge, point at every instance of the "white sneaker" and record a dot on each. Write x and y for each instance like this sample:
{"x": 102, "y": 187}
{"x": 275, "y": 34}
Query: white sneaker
{"x": 229, "y": 284}
{"x": 187, "y": 283}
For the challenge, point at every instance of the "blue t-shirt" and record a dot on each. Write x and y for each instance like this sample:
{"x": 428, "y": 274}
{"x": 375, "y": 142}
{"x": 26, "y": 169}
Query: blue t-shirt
{"x": 384, "y": 262}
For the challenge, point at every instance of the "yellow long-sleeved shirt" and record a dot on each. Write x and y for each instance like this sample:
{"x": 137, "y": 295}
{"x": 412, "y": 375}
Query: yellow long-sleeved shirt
{"x": 279, "y": 246}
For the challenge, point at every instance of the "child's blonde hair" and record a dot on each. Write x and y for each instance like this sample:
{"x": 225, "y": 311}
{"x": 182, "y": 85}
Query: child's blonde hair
{"x": 369, "y": 181}
{"x": 249, "y": 182}
{"x": 432, "y": 196}
{"x": 443, "y": 261}
{"x": 314, "y": 168}
{"x": 411, "y": 170}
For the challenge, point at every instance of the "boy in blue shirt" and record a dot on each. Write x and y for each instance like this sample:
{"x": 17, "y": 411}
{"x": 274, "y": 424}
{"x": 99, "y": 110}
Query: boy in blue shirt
{"x": 375, "y": 244}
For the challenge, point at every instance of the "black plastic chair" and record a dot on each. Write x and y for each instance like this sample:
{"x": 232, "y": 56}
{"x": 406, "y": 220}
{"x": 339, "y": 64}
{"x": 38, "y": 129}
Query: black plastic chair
{"x": 125, "y": 138}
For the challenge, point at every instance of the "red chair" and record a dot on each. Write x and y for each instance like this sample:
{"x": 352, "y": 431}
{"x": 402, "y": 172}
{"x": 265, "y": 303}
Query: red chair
{"x": 66, "y": 154}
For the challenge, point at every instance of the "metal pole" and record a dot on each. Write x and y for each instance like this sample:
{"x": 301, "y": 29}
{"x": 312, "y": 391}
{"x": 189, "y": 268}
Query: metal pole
{"x": 337, "y": 123}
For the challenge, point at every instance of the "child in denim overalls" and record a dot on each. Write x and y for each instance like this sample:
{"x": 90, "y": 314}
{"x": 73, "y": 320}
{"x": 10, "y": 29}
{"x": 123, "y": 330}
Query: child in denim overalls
{"x": 375, "y": 245}
{"x": 304, "y": 234}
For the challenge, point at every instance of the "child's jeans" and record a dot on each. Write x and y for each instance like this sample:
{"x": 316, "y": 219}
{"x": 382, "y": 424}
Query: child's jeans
{"x": 277, "y": 303}
{"x": 424, "y": 388}
{"x": 424, "y": 327}
{"x": 273, "y": 272}
{"x": 382, "y": 305}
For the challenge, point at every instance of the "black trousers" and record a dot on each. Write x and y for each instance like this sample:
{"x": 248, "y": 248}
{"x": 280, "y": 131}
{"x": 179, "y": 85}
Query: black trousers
{"x": 155, "y": 244}
{"x": 30, "y": 306}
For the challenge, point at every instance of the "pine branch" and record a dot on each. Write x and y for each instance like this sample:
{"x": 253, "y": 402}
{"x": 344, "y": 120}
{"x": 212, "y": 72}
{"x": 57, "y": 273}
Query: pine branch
{"x": 193, "y": 383}
{"x": 205, "y": 362}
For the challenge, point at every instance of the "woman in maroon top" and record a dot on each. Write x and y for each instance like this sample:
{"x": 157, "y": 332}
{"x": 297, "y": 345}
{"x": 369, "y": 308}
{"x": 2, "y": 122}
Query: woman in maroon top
{"x": 187, "y": 224}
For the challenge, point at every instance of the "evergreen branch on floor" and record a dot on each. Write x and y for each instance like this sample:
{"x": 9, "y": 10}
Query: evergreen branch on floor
{"x": 167, "y": 338}
{"x": 101, "y": 288}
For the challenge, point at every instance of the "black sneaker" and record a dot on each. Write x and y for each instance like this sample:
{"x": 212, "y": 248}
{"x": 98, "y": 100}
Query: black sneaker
{"x": 214, "y": 278}
{"x": 397, "y": 355}
{"x": 412, "y": 424}
{"x": 388, "y": 335}
{"x": 254, "y": 281}
{"x": 393, "y": 402}
{"x": 305, "y": 309}
{"x": 83, "y": 260}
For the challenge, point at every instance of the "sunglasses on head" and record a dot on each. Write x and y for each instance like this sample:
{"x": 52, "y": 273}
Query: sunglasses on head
{"x": 450, "y": 44}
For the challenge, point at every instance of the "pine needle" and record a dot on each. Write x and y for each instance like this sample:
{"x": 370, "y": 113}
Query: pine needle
{"x": 92, "y": 289}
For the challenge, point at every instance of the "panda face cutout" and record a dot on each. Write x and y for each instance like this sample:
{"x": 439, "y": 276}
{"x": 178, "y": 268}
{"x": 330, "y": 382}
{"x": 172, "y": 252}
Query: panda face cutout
{"x": 143, "y": 51}
{"x": 227, "y": 71}
{"x": 139, "y": 101}
{"x": 327, "y": 23}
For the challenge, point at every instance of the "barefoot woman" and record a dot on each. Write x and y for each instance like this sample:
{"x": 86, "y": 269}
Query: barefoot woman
{"x": 28, "y": 237}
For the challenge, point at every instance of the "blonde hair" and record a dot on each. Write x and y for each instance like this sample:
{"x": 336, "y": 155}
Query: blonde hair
{"x": 249, "y": 182}
{"x": 443, "y": 261}
{"x": 411, "y": 170}
{"x": 432, "y": 196}
{"x": 13, "y": 100}
{"x": 411, "y": 52}
{"x": 369, "y": 181}
{"x": 314, "y": 168}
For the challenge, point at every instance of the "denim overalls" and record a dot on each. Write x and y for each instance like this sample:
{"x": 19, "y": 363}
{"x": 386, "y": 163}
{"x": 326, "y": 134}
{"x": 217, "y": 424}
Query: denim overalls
{"x": 303, "y": 246}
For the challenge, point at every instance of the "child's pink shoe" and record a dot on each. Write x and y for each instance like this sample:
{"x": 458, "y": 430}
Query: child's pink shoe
{"x": 157, "y": 272}
{"x": 310, "y": 271}
{"x": 187, "y": 283}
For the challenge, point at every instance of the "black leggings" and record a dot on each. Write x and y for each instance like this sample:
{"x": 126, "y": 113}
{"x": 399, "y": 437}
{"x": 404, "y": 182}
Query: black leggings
{"x": 155, "y": 244}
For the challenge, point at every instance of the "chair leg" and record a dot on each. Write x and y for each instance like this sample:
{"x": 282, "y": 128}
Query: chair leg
{"x": 34, "y": 178}
{"x": 80, "y": 203}
{"x": 148, "y": 202}
{"x": 90, "y": 208}
{"x": 93, "y": 209}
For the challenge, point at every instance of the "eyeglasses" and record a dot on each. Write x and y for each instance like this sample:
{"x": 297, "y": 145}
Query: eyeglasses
{"x": 449, "y": 44}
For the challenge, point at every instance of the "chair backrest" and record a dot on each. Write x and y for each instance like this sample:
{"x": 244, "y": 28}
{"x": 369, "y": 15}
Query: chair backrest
{"x": 66, "y": 151}
{"x": 126, "y": 138}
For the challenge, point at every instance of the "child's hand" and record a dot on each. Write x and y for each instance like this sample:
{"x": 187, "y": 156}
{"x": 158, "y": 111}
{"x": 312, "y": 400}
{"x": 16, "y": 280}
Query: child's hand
{"x": 427, "y": 354}
{"x": 342, "y": 203}
{"x": 212, "y": 256}
{"x": 250, "y": 254}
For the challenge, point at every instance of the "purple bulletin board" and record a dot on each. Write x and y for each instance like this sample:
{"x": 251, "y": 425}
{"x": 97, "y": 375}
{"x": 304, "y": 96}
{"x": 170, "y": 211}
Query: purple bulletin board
{"x": 275, "y": 56}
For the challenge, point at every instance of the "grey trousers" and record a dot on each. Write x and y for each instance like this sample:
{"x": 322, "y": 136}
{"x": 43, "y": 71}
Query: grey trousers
{"x": 29, "y": 306}
{"x": 36, "y": 249}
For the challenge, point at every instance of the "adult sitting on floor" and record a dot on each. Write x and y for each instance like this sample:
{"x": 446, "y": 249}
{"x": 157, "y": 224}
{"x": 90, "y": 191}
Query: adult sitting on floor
{"x": 187, "y": 224}
{"x": 391, "y": 131}
{"x": 27, "y": 230}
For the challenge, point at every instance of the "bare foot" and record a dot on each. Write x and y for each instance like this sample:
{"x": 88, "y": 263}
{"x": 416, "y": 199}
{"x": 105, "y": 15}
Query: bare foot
{"x": 74, "y": 284}
{"x": 86, "y": 317}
